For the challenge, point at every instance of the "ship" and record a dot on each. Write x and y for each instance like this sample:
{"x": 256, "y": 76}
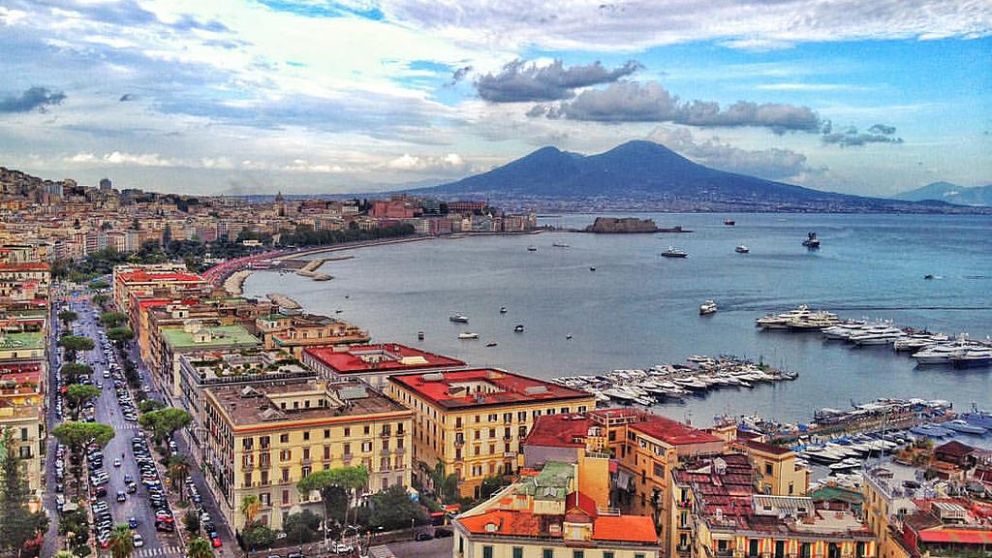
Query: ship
{"x": 673, "y": 252}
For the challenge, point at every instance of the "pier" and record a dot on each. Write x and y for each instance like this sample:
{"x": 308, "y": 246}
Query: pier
{"x": 284, "y": 302}
{"x": 310, "y": 270}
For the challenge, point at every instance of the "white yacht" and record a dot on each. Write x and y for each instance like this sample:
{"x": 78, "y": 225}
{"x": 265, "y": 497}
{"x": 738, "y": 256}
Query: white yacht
{"x": 781, "y": 321}
{"x": 917, "y": 341}
{"x": 941, "y": 353}
{"x": 880, "y": 336}
{"x": 468, "y": 335}
{"x": 973, "y": 357}
{"x": 707, "y": 307}
{"x": 741, "y": 249}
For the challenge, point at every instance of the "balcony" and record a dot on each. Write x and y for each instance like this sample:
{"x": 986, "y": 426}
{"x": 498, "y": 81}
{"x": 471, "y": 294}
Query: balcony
{"x": 507, "y": 437}
{"x": 400, "y": 451}
{"x": 347, "y": 457}
{"x": 459, "y": 442}
{"x": 248, "y": 467}
{"x": 400, "y": 433}
{"x": 509, "y": 454}
{"x": 306, "y": 461}
{"x": 385, "y": 434}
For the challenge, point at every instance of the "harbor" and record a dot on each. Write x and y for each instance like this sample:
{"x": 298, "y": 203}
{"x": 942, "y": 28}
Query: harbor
{"x": 666, "y": 383}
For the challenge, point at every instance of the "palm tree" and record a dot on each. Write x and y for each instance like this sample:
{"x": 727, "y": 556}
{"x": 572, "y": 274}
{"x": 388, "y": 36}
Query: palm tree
{"x": 121, "y": 542}
{"x": 250, "y": 506}
{"x": 178, "y": 471}
{"x": 199, "y": 548}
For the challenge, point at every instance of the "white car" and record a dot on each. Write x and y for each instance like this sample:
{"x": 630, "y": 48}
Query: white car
{"x": 117, "y": 462}
{"x": 138, "y": 541}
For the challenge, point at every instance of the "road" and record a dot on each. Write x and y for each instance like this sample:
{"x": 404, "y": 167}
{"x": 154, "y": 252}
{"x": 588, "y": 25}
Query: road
{"x": 108, "y": 412}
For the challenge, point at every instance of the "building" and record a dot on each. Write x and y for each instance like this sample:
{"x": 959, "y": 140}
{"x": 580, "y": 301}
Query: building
{"x": 192, "y": 337}
{"x": 26, "y": 281}
{"x": 473, "y": 421}
{"x": 776, "y": 470}
{"x": 544, "y": 515}
{"x": 374, "y": 363}
{"x": 294, "y": 333}
{"x": 22, "y": 412}
{"x": 131, "y": 282}
{"x": 106, "y": 184}
{"x": 719, "y": 514}
{"x": 262, "y": 440}
{"x": 948, "y": 527}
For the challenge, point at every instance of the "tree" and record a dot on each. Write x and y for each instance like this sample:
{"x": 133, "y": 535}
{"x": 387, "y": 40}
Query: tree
{"x": 77, "y": 435}
{"x": 164, "y": 422}
{"x": 393, "y": 509}
{"x": 119, "y": 335}
{"x": 112, "y": 319}
{"x": 99, "y": 284}
{"x": 491, "y": 485}
{"x": 258, "y": 537}
{"x": 72, "y": 371}
{"x": 166, "y": 235}
{"x": 121, "y": 542}
{"x": 445, "y": 486}
{"x": 72, "y": 344}
{"x": 192, "y": 521}
{"x": 250, "y": 506}
{"x": 348, "y": 479}
{"x": 149, "y": 405}
{"x": 199, "y": 548}
{"x": 100, "y": 299}
{"x": 79, "y": 394}
{"x": 18, "y": 525}
{"x": 178, "y": 470}
{"x": 67, "y": 317}
{"x": 301, "y": 527}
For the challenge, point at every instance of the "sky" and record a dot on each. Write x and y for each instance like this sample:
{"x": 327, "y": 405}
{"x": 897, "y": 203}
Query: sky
{"x": 869, "y": 97}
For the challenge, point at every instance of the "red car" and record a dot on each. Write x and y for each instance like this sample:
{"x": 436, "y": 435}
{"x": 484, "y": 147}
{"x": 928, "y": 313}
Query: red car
{"x": 216, "y": 542}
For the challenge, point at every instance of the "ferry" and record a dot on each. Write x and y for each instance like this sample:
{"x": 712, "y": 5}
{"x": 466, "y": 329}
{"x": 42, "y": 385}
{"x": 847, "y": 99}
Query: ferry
{"x": 458, "y": 319}
{"x": 468, "y": 335}
{"x": 811, "y": 242}
{"x": 673, "y": 252}
{"x": 741, "y": 249}
{"x": 706, "y": 308}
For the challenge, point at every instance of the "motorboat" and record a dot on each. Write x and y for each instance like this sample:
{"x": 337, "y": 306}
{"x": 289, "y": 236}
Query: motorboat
{"x": 917, "y": 341}
{"x": 468, "y": 335}
{"x": 941, "y": 353}
{"x": 959, "y": 425}
{"x": 491, "y": 344}
{"x": 815, "y": 321}
{"x": 729, "y": 222}
{"x": 458, "y": 319}
{"x": 973, "y": 357}
{"x": 741, "y": 249}
{"x": 519, "y": 328}
{"x": 978, "y": 417}
{"x": 592, "y": 268}
{"x": 420, "y": 335}
{"x": 673, "y": 252}
{"x": 532, "y": 248}
{"x": 781, "y": 321}
{"x": 502, "y": 310}
{"x": 844, "y": 330}
{"x": 559, "y": 245}
{"x": 931, "y": 431}
{"x": 708, "y": 307}
{"x": 811, "y": 242}
{"x": 845, "y": 465}
{"x": 878, "y": 337}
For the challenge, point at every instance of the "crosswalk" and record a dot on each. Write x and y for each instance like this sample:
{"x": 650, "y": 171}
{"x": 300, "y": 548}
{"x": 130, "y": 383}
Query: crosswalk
{"x": 121, "y": 424}
{"x": 162, "y": 552}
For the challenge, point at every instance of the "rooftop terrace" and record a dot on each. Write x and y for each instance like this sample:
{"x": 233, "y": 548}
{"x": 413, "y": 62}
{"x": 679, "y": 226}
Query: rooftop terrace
{"x": 479, "y": 387}
{"x": 391, "y": 357}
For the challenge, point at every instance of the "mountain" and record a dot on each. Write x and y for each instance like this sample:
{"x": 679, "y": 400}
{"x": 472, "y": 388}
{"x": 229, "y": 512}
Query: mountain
{"x": 951, "y": 193}
{"x": 647, "y": 175}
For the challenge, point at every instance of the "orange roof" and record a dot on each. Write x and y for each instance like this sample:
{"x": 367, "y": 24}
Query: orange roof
{"x": 25, "y": 266}
{"x": 383, "y": 357}
{"x": 960, "y": 536}
{"x": 446, "y": 389}
{"x": 142, "y": 276}
{"x": 562, "y": 430}
{"x": 673, "y": 432}
{"x": 624, "y": 528}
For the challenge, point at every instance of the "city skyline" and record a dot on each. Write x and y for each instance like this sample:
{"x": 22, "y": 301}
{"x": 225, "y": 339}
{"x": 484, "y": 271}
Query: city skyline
{"x": 307, "y": 97}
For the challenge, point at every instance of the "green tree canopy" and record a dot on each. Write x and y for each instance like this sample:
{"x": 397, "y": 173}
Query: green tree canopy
{"x": 393, "y": 509}
{"x": 331, "y": 481}
{"x": 77, "y": 435}
{"x": 18, "y": 525}
{"x": 99, "y": 285}
{"x": 199, "y": 548}
{"x": 121, "y": 542}
{"x": 120, "y": 334}
{"x": 301, "y": 527}
{"x": 258, "y": 537}
{"x": 149, "y": 405}
{"x": 164, "y": 422}
{"x": 250, "y": 506}
{"x": 78, "y": 394}
{"x": 67, "y": 317}
{"x": 113, "y": 319}
{"x": 73, "y": 344}
{"x": 72, "y": 371}
{"x": 100, "y": 299}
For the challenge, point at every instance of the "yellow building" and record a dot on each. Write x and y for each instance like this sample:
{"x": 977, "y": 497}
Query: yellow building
{"x": 294, "y": 333}
{"x": 546, "y": 516}
{"x": 473, "y": 421}
{"x": 22, "y": 413}
{"x": 776, "y": 470}
{"x": 718, "y": 514}
{"x": 263, "y": 439}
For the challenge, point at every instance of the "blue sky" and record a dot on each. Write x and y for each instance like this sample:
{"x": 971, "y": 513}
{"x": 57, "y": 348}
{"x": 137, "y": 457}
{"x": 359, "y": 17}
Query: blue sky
{"x": 310, "y": 96}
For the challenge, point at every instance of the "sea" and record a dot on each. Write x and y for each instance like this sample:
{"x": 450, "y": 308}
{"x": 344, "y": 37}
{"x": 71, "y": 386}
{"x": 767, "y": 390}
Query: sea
{"x": 638, "y": 309}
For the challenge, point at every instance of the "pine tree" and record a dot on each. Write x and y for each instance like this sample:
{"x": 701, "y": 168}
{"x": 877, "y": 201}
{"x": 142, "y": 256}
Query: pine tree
{"x": 17, "y": 524}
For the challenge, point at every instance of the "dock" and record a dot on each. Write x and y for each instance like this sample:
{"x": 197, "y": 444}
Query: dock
{"x": 310, "y": 270}
{"x": 284, "y": 302}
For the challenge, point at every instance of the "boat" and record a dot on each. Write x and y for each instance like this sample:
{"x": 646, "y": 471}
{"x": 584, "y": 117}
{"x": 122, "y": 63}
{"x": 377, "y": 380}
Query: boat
{"x": 941, "y": 353}
{"x": 458, "y": 319}
{"x": 931, "y": 431}
{"x": 741, "y": 249}
{"x": 592, "y": 268}
{"x": 917, "y": 341}
{"x": 928, "y": 276}
{"x": 420, "y": 335}
{"x": 706, "y": 308}
{"x": 532, "y": 248}
{"x": 845, "y": 465}
{"x": 468, "y": 335}
{"x": 978, "y": 417}
{"x": 811, "y": 241}
{"x": 491, "y": 344}
{"x": 814, "y": 321}
{"x": 502, "y": 309}
{"x": 959, "y": 425}
{"x": 973, "y": 357}
{"x": 729, "y": 222}
{"x": 673, "y": 252}
{"x": 559, "y": 245}
{"x": 781, "y": 321}
{"x": 519, "y": 328}
{"x": 569, "y": 336}
{"x": 878, "y": 337}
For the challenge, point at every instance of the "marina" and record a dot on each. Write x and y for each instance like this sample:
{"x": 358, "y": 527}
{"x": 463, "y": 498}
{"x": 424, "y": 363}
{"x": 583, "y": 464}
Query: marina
{"x": 674, "y": 382}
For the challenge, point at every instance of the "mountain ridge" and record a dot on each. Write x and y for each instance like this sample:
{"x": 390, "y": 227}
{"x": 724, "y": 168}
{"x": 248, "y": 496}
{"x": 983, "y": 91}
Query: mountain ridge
{"x": 950, "y": 193}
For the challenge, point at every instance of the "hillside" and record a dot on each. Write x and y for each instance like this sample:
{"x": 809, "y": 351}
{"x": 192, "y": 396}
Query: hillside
{"x": 642, "y": 174}
{"x": 950, "y": 193}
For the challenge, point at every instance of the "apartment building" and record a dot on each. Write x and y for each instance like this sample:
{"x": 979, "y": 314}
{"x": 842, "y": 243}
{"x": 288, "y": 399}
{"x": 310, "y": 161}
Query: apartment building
{"x": 374, "y": 363}
{"x": 262, "y": 440}
{"x": 143, "y": 280}
{"x": 24, "y": 281}
{"x": 192, "y": 337}
{"x": 473, "y": 421}
{"x": 22, "y": 413}
{"x": 294, "y": 333}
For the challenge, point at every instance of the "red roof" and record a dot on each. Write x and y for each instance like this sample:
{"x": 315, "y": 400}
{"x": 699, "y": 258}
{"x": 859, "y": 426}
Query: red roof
{"x": 616, "y": 528}
{"x": 673, "y": 432}
{"x": 456, "y": 389}
{"x": 563, "y": 431}
{"x": 382, "y": 357}
{"x": 959, "y": 536}
{"x": 25, "y": 266}
{"x": 767, "y": 448}
{"x": 625, "y": 528}
{"x": 142, "y": 276}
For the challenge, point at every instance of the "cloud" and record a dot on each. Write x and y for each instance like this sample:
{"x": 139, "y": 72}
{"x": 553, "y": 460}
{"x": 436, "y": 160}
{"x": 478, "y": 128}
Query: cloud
{"x": 519, "y": 81}
{"x": 33, "y": 98}
{"x": 772, "y": 163}
{"x": 448, "y": 162}
{"x": 459, "y": 74}
{"x": 852, "y": 137}
{"x": 631, "y": 101}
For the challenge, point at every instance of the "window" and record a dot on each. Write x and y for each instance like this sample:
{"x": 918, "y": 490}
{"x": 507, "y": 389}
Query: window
{"x": 306, "y": 436}
{"x": 769, "y": 469}
{"x": 285, "y": 497}
{"x": 263, "y": 442}
{"x": 347, "y": 431}
{"x": 548, "y": 553}
{"x": 578, "y": 554}
{"x": 608, "y": 554}
{"x": 518, "y": 552}
{"x": 860, "y": 550}
{"x": 805, "y": 550}
{"x": 284, "y": 438}
{"x": 487, "y": 552}
{"x": 367, "y": 429}
{"x": 327, "y": 433}
{"x": 752, "y": 548}
{"x": 246, "y": 443}
{"x": 327, "y": 452}
{"x": 285, "y": 474}
{"x": 347, "y": 449}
